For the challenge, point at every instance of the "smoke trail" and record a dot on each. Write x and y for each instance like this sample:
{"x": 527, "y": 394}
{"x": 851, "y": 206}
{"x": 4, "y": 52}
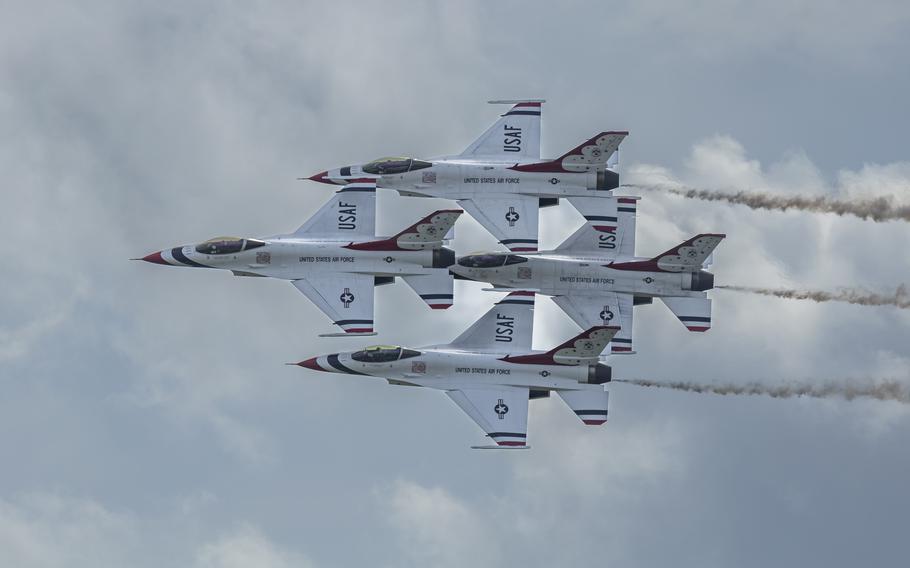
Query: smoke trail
{"x": 886, "y": 390}
{"x": 900, "y": 298}
{"x": 877, "y": 209}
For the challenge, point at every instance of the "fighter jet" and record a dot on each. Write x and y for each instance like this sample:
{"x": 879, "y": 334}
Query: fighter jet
{"x": 500, "y": 179}
{"x": 490, "y": 371}
{"x": 595, "y": 277}
{"x": 336, "y": 259}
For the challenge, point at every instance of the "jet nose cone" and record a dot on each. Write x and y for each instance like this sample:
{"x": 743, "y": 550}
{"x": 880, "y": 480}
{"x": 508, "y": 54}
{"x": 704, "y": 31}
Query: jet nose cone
{"x": 155, "y": 258}
{"x": 321, "y": 177}
{"x": 310, "y": 364}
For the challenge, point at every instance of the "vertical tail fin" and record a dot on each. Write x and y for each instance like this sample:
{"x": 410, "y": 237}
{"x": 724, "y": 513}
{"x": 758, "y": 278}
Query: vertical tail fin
{"x": 585, "y": 347}
{"x": 506, "y": 327}
{"x": 428, "y": 233}
{"x": 514, "y": 137}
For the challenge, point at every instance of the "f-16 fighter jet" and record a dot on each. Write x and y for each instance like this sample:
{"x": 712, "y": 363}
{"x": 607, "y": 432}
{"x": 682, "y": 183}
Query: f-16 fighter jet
{"x": 335, "y": 259}
{"x": 491, "y": 372}
{"x": 500, "y": 179}
{"x": 595, "y": 277}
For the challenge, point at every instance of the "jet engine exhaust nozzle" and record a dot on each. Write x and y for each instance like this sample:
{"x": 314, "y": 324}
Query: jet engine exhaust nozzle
{"x": 443, "y": 257}
{"x": 599, "y": 374}
{"x": 701, "y": 281}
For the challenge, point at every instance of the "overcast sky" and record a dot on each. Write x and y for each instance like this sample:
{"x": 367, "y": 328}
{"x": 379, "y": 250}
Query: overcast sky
{"x": 146, "y": 416}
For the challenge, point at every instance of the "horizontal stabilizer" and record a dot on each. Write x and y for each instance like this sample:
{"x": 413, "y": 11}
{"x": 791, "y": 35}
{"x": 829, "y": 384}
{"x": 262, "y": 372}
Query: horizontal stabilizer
{"x": 352, "y": 334}
{"x": 436, "y": 289}
{"x": 694, "y": 313}
{"x": 589, "y": 405}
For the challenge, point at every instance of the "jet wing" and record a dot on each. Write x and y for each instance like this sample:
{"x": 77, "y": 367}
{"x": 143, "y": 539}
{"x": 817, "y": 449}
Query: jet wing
{"x": 346, "y": 298}
{"x": 514, "y": 137}
{"x": 609, "y": 229}
{"x": 609, "y": 308}
{"x": 501, "y": 411}
{"x": 511, "y": 218}
{"x": 350, "y": 214}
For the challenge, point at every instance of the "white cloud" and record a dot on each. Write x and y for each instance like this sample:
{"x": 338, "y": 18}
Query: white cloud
{"x": 246, "y": 547}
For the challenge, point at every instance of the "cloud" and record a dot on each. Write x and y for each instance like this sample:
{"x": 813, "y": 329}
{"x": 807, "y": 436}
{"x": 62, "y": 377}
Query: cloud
{"x": 246, "y": 547}
{"x": 437, "y": 529}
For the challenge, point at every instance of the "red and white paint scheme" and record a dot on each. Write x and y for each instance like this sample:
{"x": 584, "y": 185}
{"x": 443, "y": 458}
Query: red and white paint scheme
{"x": 491, "y": 372}
{"x": 595, "y": 277}
{"x": 500, "y": 179}
{"x": 336, "y": 260}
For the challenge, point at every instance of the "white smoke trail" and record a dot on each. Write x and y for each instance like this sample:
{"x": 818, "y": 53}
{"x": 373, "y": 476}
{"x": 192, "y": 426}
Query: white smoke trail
{"x": 877, "y": 209}
{"x": 884, "y": 390}
{"x": 900, "y": 298}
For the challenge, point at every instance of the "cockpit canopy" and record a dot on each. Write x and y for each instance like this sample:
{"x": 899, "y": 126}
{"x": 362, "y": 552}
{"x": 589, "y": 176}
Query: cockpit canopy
{"x": 228, "y": 245}
{"x": 399, "y": 165}
{"x": 383, "y": 354}
{"x": 491, "y": 260}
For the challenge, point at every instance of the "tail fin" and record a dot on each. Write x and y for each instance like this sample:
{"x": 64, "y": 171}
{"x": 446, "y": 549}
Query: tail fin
{"x": 591, "y": 154}
{"x": 506, "y": 327}
{"x": 584, "y": 348}
{"x": 349, "y": 214}
{"x": 514, "y": 137}
{"x": 428, "y": 233}
{"x": 688, "y": 256}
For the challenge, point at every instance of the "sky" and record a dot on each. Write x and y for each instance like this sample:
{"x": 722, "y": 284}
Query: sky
{"x": 147, "y": 417}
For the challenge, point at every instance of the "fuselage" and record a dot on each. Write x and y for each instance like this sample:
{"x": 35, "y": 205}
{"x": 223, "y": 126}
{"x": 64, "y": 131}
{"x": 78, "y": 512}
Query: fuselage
{"x": 457, "y": 178}
{"x": 445, "y": 368}
{"x": 556, "y": 275}
{"x": 289, "y": 257}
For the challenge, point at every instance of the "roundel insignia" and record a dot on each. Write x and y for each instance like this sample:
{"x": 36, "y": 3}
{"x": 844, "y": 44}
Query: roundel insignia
{"x": 501, "y": 409}
{"x": 512, "y": 216}
{"x": 545, "y": 373}
{"x": 606, "y": 314}
{"x": 648, "y": 280}
{"x": 346, "y": 297}
{"x": 554, "y": 180}
{"x": 389, "y": 259}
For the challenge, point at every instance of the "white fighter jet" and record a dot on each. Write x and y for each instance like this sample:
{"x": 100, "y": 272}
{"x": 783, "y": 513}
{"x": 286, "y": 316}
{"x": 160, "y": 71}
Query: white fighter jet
{"x": 500, "y": 179}
{"x": 336, "y": 259}
{"x": 490, "y": 371}
{"x": 595, "y": 277}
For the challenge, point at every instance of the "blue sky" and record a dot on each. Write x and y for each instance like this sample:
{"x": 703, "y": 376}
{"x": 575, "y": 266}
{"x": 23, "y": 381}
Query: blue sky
{"x": 148, "y": 419}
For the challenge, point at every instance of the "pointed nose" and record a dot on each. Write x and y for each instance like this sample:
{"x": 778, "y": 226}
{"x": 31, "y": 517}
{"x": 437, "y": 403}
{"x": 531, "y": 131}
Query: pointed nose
{"x": 311, "y": 364}
{"x": 155, "y": 258}
{"x": 321, "y": 177}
